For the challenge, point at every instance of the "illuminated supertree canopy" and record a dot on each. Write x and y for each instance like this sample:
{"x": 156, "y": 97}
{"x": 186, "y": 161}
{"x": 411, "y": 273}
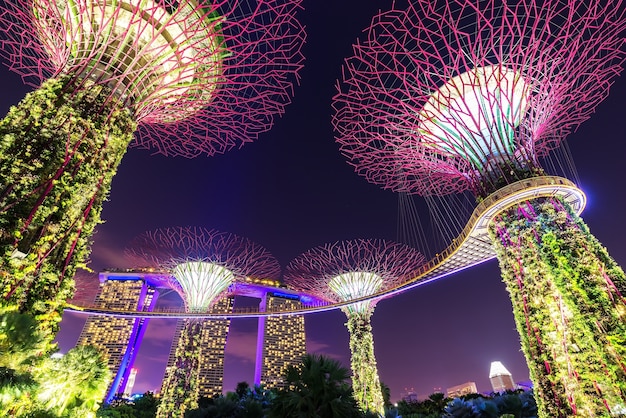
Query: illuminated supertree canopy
{"x": 203, "y": 264}
{"x": 442, "y": 98}
{"x": 350, "y": 270}
{"x": 473, "y": 95}
{"x": 179, "y": 78}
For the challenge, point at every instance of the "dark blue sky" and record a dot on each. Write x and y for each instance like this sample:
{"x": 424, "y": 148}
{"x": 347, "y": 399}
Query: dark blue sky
{"x": 292, "y": 190}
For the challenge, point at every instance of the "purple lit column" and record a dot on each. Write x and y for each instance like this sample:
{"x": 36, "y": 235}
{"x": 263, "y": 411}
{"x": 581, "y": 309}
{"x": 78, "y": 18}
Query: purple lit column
{"x": 258, "y": 365}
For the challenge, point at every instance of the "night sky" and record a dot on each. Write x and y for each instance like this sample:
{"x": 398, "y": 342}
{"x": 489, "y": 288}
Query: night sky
{"x": 292, "y": 190}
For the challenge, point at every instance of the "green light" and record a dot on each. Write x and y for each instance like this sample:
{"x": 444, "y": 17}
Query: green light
{"x": 474, "y": 115}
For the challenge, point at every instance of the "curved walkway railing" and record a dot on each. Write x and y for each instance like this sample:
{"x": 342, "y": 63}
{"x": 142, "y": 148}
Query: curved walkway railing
{"x": 471, "y": 247}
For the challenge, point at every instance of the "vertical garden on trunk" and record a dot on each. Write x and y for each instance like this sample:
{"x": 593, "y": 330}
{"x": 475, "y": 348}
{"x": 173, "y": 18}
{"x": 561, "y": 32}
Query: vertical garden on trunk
{"x": 59, "y": 149}
{"x": 568, "y": 299}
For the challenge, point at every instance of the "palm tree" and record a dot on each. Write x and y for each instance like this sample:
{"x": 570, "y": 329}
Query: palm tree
{"x": 77, "y": 381}
{"x": 317, "y": 388}
{"x": 21, "y": 342}
{"x": 437, "y": 402}
{"x": 22, "y": 348}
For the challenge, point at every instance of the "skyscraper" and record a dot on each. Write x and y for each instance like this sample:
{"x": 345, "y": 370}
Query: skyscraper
{"x": 212, "y": 341}
{"x": 500, "y": 377}
{"x": 120, "y": 338}
{"x": 280, "y": 339}
{"x": 462, "y": 389}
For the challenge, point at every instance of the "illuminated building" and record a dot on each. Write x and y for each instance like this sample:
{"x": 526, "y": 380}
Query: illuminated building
{"x": 280, "y": 340}
{"x": 119, "y": 338}
{"x": 409, "y": 395}
{"x": 462, "y": 389}
{"x": 130, "y": 383}
{"x": 500, "y": 378}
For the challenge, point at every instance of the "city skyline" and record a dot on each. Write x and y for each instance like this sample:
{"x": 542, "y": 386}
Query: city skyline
{"x": 292, "y": 190}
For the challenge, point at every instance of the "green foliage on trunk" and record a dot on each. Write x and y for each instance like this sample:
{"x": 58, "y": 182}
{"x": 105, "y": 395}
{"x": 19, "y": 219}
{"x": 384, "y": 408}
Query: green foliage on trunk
{"x": 59, "y": 149}
{"x": 569, "y": 308}
{"x": 365, "y": 380}
{"x": 180, "y": 387}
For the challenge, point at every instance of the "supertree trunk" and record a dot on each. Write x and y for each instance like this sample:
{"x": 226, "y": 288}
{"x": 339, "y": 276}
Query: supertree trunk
{"x": 569, "y": 307}
{"x": 365, "y": 381}
{"x": 59, "y": 149}
{"x": 180, "y": 388}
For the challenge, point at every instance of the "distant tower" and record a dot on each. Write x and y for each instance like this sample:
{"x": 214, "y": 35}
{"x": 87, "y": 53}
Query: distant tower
{"x": 475, "y": 95}
{"x": 281, "y": 340}
{"x": 349, "y": 270}
{"x": 182, "y": 78}
{"x": 130, "y": 383}
{"x": 500, "y": 378}
{"x": 203, "y": 264}
{"x": 462, "y": 389}
{"x": 120, "y": 338}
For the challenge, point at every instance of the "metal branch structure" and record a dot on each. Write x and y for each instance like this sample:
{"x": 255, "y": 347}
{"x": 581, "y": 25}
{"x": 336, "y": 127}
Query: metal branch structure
{"x": 461, "y": 95}
{"x": 86, "y": 288}
{"x": 181, "y": 78}
{"x": 352, "y": 269}
{"x": 446, "y": 97}
{"x": 203, "y": 264}
{"x": 198, "y": 77}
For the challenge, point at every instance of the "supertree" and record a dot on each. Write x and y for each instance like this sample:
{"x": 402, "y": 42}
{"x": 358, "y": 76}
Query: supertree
{"x": 182, "y": 78}
{"x": 475, "y": 95}
{"x": 203, "y": 263}
{"x": 349, "y": 270}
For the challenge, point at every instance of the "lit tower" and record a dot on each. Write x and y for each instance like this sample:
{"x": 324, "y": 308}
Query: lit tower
{"x": 119, "y": 338}
{"x": 473, "y": 95}
{"x": 349, "y": 270}
{"x": 500, "y": 378}
{"x": 181, "y": 78}
{"x": 203, "y": 264}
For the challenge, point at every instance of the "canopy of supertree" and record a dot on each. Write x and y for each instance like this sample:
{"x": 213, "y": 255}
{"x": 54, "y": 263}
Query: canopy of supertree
{"x": 199, "y": 77}
{"x": 202, "y": 262}
{"x": 472, "y": 95}
{"x": 182, "y": 78}
{"x": 459, "y": 95}
{"x": 350, "y": 270}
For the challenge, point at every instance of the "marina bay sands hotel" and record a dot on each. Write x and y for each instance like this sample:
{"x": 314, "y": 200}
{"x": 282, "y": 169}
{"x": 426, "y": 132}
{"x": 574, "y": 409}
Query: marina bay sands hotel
{"x": 280, "y": 340}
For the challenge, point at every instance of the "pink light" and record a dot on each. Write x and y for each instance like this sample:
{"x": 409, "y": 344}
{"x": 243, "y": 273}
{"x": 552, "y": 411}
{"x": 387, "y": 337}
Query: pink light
{"x": 561, "y": 54}
{"x": 387, "y": 264}
{"x": 243, "y": 75}
{"x": 168, "y": 249}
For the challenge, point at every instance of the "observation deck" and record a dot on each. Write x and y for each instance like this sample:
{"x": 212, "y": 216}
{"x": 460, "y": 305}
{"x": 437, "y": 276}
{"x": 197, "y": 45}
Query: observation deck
{"x": 471, "y": 247}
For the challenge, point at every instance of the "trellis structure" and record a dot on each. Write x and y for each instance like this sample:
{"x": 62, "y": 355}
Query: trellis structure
{"x": 203, "y": 264}
{"x": 352, "y": 269}
{"x": 473, "y": 95}
{"x": 181, "y": 78}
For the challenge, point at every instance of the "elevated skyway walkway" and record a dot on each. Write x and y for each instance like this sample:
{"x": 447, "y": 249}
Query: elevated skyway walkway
{"x": 471, "y": 247}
